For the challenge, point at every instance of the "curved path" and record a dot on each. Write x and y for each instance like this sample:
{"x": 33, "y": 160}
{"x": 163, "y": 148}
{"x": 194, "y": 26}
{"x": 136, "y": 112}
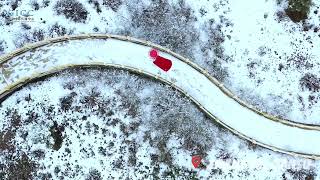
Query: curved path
{"x": 46, "y": 57}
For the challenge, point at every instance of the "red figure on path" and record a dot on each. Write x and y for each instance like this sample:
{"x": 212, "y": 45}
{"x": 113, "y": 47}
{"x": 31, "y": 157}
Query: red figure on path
{"x": 196, "y": 161}
{"x": 161, "y": 62}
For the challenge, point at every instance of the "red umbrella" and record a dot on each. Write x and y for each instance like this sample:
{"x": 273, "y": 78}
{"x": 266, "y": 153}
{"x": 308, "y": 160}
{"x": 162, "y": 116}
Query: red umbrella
{"x": 161, "y": 62}
{"x": 196, "y": 161}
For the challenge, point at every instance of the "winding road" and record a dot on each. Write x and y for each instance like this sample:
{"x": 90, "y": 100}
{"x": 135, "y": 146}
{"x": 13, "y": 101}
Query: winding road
{"x": 52, "y": 55}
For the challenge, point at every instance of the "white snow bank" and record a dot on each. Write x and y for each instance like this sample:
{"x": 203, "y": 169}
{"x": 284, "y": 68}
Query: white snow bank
{"x": 112, "y": 51}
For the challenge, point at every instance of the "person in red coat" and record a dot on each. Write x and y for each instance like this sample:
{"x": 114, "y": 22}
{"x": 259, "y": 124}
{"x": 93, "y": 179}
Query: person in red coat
{"x": 161, "y": 62}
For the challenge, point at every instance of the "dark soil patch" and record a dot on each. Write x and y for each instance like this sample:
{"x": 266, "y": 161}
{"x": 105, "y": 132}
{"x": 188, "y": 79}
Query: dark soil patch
{"x": 5, "y": 141}
{"x": 7, "y": 136}
{"x": 56, "y": 133}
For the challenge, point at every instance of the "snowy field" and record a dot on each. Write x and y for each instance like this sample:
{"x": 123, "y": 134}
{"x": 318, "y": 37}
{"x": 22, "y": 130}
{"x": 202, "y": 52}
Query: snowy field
{"x": 107, "y": 123}
{"x": 253, "y": 47}
{"x": 188, "y": 78}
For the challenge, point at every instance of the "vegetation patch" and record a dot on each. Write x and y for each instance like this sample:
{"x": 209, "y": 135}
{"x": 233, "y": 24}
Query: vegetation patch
{"x": 306, "y": 174}
{"x": 21, "y": 168}
{"x": 34, "y": 35}
{"x": 3, "y": 46}
{"x": 113, "y": 4}
{"x": 58, "y": 30}
{"x": 169, "y": 26}
{"x": 72, "y": 10}
{"x": 298, "y": 10}
{"x": 56, "y": 133}
{"x": 310, "y": 82}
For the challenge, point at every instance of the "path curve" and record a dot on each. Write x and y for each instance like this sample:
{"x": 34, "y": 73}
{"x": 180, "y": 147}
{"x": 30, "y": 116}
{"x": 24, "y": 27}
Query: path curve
{"x": 48, "y": 56}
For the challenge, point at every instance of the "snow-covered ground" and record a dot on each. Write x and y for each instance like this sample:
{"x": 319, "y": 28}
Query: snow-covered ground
{"x": 278, "y": 61}
{"x": 251, "y": 46}
{"x": 258, "y": 52}
{"x": 190, "y": 80}
{"x": 86, "y": 123}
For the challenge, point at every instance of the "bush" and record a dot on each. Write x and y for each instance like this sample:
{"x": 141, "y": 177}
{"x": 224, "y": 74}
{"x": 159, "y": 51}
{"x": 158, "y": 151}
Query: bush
{"x": 298, "y": 10}
{"x": 72, "y": 10}
{"x": 94, "y": 175}
{"x": 213, "y": 51}
{"x": 30, "y": 37}
{"x": 35, "y": 5}
{"x": 45, "y": 3}
{"x": 169, "y": 26}
{"x": 15, "y": 4}
{"x": 113, "y": 4}
{"x": 6, "y": 18}
{"x": 307, "y": 174}
{"x": 173, "y": 26}
{"x": 96, "y": 5}
{"x": 58, "y": 30}
{"x": 185, "y": 120}
{"x": 21, "y": 168}
{"x": 3, "y": 46}
{"x": 310, "y": 82}
{"x": 25, "y": 26}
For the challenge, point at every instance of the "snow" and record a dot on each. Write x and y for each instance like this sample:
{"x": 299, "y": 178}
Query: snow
{"x": 248, "y": 29}
{"x": 255, "y": 44}
{"x": 182, "y": 75}
{"x": 78, "y": 135}
{"x": 252, "y": 31}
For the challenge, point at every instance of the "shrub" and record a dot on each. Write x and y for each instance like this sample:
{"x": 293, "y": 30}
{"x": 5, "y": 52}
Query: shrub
{"x": 169, "y": 26}
{"x": 58, "y": 30}
{"x": 94, "y": 175}
{"x": 298, "y": 10}
{"x": 213, "y": 51}
{"x": 307, "y": 174}
{"x": 184, "y": 120}
{"x": 310, "y": 82}
{"x": 113, "y": 4}
{"x": 173, "y": 26}
{"x": 22, "y": 168}
{"x": 72, "y": 10}
{"x": 96, "y": 5}
{"x": 45, "y": 3}
{"x": 25, "y": 26}
{"x": 3, "y": 46}
{"x": 6, "y": 17}
{"x": 15, "y": 4}
{"x": 30, "y": 37}
{"x": 35, "y": 5}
